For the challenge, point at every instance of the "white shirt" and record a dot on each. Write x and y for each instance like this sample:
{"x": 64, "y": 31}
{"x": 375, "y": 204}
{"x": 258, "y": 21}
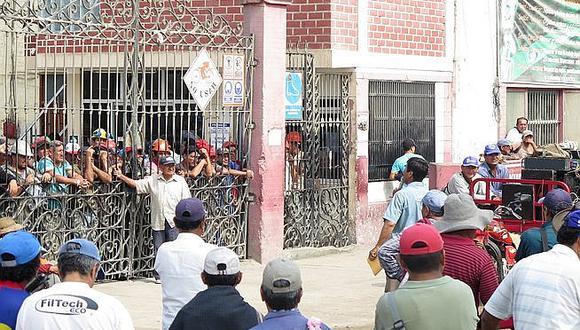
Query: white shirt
{"x": 541, "y": 291}
{"x": 165, "y": 194}
{"x": 179, "y": 264}
{"x": 72, "y": 305}
{"x": 514, "y": 136}
{"x": 458, "y": 185}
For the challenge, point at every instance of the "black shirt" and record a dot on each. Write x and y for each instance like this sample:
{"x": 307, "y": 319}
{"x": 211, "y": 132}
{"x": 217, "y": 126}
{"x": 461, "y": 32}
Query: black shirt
{"x": 219, "y": 308}
{"x": 5, "y": 178}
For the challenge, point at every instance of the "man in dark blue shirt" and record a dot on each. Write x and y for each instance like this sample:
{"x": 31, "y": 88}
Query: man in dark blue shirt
{"x": 281, "y": 291}
{"x": 538, "y": 240}
{"x": 19, "y": 262}
{"x": 220, "y": 306}
{"x": 491, "y": 168}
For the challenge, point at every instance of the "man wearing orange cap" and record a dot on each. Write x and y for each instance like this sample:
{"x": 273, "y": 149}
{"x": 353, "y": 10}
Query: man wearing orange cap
{"x": 443, "y": 302}
{"x": 293, "y": 160}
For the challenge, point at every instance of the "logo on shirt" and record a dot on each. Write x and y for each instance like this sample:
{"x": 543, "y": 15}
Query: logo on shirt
{"x": 65, "y": 304}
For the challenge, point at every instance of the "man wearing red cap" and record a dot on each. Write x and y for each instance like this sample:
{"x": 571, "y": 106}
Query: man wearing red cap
{"x": 444, "y": 303}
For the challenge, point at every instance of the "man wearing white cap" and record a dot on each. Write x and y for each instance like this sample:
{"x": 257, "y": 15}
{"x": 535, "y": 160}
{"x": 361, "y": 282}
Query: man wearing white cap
{"x": 220, "y": 306}
{"x": 17, "y": 175}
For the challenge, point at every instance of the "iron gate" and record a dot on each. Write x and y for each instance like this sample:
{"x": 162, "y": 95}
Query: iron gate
{"x": 399, "y": 110}
{"x": 69, "y": 67}
{"x": 543, "y": 115}
{"x": 316, "y": 193}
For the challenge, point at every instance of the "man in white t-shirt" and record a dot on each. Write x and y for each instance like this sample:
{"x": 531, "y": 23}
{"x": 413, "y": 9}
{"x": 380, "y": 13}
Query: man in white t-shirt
{"x": 179, "y": 263}
{"x": 515, "y": 134}
{"x": 73, "y": 304}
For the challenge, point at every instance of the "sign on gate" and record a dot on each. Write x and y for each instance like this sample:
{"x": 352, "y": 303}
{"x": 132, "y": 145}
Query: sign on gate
{"x": 233, "y": 87}
{"x": 219, "y": 133}
{"x": 202, "y": 79}
{"x": 294, "y": 95}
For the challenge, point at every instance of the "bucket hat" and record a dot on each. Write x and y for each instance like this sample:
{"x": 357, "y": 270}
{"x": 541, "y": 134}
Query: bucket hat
{"x": 461, "y": 213}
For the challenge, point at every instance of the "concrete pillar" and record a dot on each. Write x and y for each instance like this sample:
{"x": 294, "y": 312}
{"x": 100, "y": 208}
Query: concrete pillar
{"x": 266, "y": 21}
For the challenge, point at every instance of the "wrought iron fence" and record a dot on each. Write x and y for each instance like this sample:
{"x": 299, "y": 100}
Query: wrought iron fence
{"x": 316, "y": 193}
{"x": 543, "y": 115}
{"x": 399, "y": 110}
{"x": 69, "y": 67}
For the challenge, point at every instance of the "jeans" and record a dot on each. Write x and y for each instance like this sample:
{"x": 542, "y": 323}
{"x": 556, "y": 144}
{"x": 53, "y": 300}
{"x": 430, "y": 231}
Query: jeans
{"x": 162, "y": 236}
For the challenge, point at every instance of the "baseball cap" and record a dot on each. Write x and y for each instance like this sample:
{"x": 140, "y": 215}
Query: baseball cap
{"x": 166, "y": 160}
{"x": 80, "y": 246}
{"x": 573, "y": 220}
{"x": 41, "y": 141}
{"x": 21, "y": 148}
{"x": 434, "y": 200}
{"x": 556, "y": 200}
{"x": 420, "y": 239}
{"x": 282, "y": 275}
{"x": 190, "y": 210}
{"x": 503, "y": 142}
{"x": 72, "y": 148}
{"x": 470, "y": 161}
{"x": 491, "y": 149}
{"x": 221, "y": 261}
{"x": 18, "y": 248}
{"x": 527, "y": 133}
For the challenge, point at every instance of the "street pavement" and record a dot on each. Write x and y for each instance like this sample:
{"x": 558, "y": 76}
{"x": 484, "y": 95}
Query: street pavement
{"x": 339, "y": 289}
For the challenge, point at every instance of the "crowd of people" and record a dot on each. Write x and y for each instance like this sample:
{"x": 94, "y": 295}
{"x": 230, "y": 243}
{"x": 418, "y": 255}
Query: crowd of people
{"x": 51, "y": 167}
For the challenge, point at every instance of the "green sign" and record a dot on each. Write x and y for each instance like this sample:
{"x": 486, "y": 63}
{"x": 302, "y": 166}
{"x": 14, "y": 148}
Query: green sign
{"x": 540, "y": 41}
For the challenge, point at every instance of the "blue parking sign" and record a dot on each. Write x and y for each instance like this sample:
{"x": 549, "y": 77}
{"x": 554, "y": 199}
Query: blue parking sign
{"x": 294, "y": 88}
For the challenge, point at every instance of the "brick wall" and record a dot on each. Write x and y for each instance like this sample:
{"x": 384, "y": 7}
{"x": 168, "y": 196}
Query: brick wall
{"x": 309, "y": 23}
{"x": 407, "y": 27}
{"x": 345, "y": 24}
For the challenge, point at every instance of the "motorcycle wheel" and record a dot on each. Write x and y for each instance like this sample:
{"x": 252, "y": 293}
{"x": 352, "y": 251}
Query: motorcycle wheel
{"x": 495, "y": 253}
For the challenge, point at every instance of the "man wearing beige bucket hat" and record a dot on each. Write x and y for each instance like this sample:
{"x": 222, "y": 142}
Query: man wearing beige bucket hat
{"x": 464, "y": 260}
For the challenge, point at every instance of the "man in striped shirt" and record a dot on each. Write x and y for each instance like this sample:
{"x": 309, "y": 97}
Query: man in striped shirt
{"x": 542, "y": 291}
{"x": 465, "y": 261}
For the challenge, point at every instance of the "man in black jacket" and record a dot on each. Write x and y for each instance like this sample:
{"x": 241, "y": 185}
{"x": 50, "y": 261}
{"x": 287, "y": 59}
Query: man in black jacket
{"x": 220, "y": 306}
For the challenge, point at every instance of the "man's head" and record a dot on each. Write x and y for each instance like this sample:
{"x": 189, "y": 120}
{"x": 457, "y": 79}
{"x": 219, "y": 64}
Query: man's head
{"x": 421, "y": 250}
{"x": 160, "y": 147}
{"x": 19, "y": 257}
{"x": 99, "y": 138}
{"x": 491, "y": 154}
{"x": 190, "y": 216}
{"x": 56, "y": 152}
{"x": 232, "y": 148}
{"x": 221, "y": 267}
{"x": 527, "y": 136}
{"x": 462, "y": 215}
{"x": 417, "y": 169}
{"x": 190, "y": 152}
{"x": 167, "y": 166}
{"x": 281, "y": 285}
{"x": 569, "y": 232}
{"x": 20, "y": 154}
{"x": 293, "y": 142}
{"x": 469, "y": 167}
{"x": 79, "y": 260}
{"x": 433, "y": 203}
{"x": 521, "y": 124}
{"x": 505, "y": 146}
{"x": 554, "y": 201}
{"x": 409, "y": 145}
{"x": 41, "y": 145}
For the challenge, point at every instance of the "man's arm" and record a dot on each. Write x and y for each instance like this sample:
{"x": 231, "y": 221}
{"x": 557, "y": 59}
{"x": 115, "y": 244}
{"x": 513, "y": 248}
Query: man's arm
{"x": 488, "y": 281}
{"x": 488, "y": 321}
{"x": 524, "y": 247}
{"x": 386, "y": 232}
{"x": 128, "y": 181}
{"x": 15, "y": 190}
{"x": 89, "y": 174}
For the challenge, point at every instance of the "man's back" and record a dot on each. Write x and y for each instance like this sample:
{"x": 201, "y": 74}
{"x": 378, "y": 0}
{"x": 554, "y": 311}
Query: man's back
{"x": 72, "y": 305}
{"x": 179, "y": 264}
{"x": 288, "y": 320}
{"x": 442, "y": 303}
{"x": 541, "y": 291}
{"x": 405, "y": 207}
{"x": 471, "y": 265}
{"x": 218, "y": 307}
{"x": 531, "y": 241}
{"x": 11, "y": 297}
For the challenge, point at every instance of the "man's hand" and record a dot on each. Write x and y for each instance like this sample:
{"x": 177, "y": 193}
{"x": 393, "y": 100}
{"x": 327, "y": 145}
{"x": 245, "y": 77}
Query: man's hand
{"x": 30, "y": 179}
{"x": 249, "y": 174}
{"x": 373, "y": 253}
{"x": 46, "y": 177}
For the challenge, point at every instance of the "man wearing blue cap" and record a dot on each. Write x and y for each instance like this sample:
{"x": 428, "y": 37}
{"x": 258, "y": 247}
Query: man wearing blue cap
{"x": 73, "y": 303}
{"x": 538, "y": 240}
{"x": 19, "y": 262}
{"x": 542, "y": 291}
{"x": 491, "y": 168}
{"x": 460, "y": 181}
{"x": 179, "y": 263}
{"x": 166, "y": 190}
{"x": 432, "y": 210}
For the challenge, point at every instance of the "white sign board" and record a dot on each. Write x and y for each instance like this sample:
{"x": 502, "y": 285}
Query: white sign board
{"x": 219, "y": 133}
{"x": 293, "y": 95}
{"x": 233, "y": 89}
{"x": 202, "y": 79}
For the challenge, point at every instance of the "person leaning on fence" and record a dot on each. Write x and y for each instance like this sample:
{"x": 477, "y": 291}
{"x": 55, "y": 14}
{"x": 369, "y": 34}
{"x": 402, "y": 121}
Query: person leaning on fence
{"x": 74, "y": 304}
{"x": 60, "y": 170}
{"x": 17, "y": 175}
{"x": 166, "y": 190}
{"x": 220, "y": 306}
{"x": 281, "y": 290}
{"x": 429, "y": 300}
{"x": 431, "y": 211}
{"x": 97, "y": 158}
{"x": 19, "y": 262}
{"x": 179, "y": 263}
{"x": 195, "y": 161}
{"x": 41, "y": 145}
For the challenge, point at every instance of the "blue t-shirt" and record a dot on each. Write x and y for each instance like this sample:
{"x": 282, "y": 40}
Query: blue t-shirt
{"x": 291, "y": 319}
{"x": 405, "y": 207}
{"x": 531, "y": 241}
{"x": 400, "y": 163}
{"x": 46, "y": 164}
{"x": 501, "y": 172}
{"x": 11, "y": 299}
